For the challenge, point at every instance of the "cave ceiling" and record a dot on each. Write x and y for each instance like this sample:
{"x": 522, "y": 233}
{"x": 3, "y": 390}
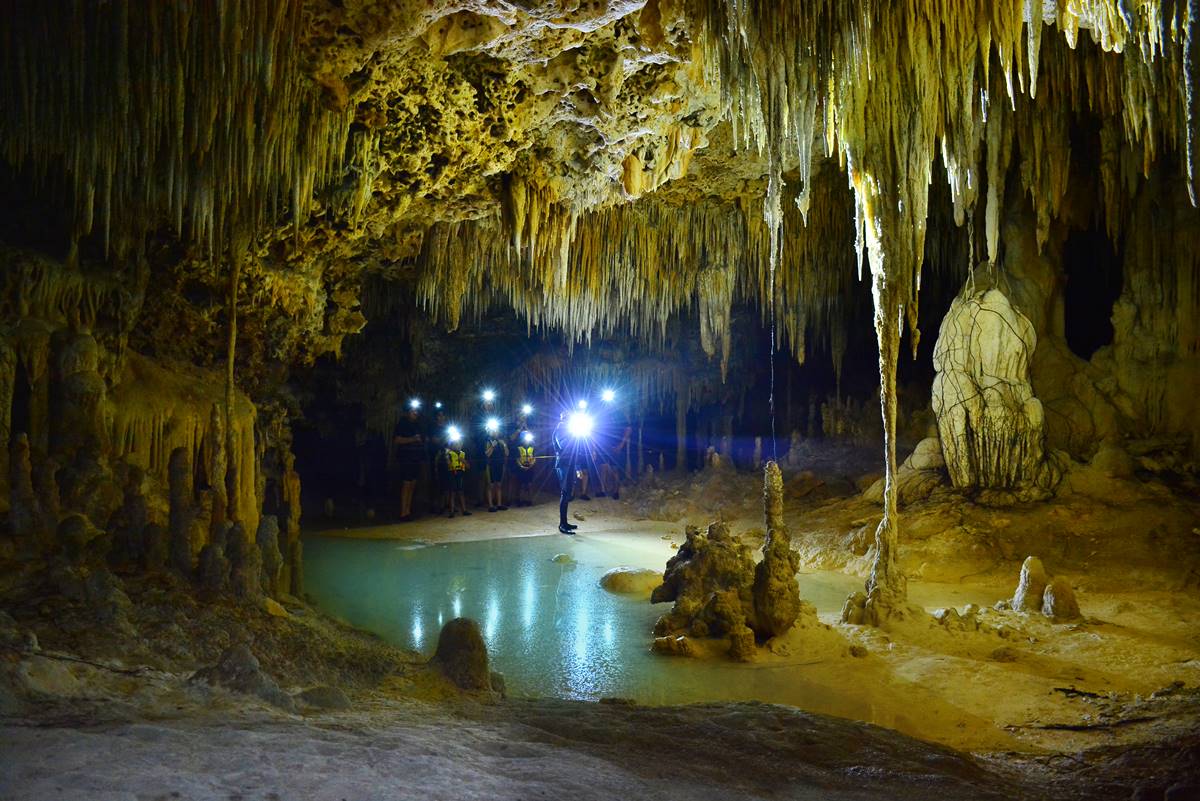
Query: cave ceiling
{"x": 598, "y": 166}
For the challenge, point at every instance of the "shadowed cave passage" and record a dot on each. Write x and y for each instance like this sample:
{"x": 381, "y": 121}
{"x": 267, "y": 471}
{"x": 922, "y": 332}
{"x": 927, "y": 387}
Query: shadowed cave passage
{"x": 894, "y": 495}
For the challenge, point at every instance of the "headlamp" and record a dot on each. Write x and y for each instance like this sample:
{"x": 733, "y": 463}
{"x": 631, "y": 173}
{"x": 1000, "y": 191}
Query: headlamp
{"x": 453, "y": 435}
{"x": 608, "y": 396}
{"x": 492, "y": 425}
{"x": 414, "y": 403}
{"x": 580, "y": 425}
{"x": 526, "y": 410}
{"x": 489, "y": 395}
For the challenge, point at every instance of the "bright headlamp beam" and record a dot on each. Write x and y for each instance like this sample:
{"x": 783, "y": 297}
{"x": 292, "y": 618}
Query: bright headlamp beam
{"x": 608, "y": 396}
{"x": 582, "y": 405}
{"x": 489, "y": 395}
{"x": 580, "y": 425}
{"x": 453, "y": 434}
{"x": 492, "y": 425}
{"x": 526, "y": 409}
{"x": 414, "y": 403}
{"x": 528, "y": 438}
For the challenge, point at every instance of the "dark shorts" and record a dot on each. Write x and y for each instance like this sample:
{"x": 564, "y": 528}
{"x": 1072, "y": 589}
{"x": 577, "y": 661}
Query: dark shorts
{"x": 454, "y": 482}
{"x": 495, "y": 473}
{"x": 524, "y": 476}
{"x": 408, "y": 468}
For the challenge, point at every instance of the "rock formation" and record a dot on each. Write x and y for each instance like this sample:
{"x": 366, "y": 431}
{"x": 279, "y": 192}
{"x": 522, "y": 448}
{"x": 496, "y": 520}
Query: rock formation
{"x": 462, "y": 655}
{"x": 718, "y": 591}
{"x": 1037, "y": 591}
{"x": 989, "y": 422}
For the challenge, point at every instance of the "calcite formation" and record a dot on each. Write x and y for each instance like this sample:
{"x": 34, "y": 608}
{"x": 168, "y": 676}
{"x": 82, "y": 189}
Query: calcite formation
{"x": 989, "y": 422}
{"x": 719, "y": 591}
{"x": 227, "y": 205}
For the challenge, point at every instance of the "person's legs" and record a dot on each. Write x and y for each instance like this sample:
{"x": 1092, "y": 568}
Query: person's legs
{"x": 406, "y": 496}
{"x": 583, "y": 484}
{"x": 566, "y": 485}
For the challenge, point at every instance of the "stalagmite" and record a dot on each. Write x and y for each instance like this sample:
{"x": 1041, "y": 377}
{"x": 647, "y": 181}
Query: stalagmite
{"x": 182, "y": 512}
{"x": 776, "y": 593}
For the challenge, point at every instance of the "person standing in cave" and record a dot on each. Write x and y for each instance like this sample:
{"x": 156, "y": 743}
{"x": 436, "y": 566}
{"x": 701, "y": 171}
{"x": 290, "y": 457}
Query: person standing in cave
{"x": 495, "y": 451}
{"x": 526, "y": 461}
{"x": 408, "y": 455}
{"x": 438, "y": 469}
{"x": 565, "y": 452}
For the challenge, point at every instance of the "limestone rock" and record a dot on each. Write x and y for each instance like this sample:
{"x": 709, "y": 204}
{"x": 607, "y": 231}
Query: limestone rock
{"x": 272, "y": 560}
{"x": 245, "y": 560}
{"x": 1032, "y": 584}
{"x": 239, "y": 670}
{"x": 673, "y": 646}
{"x": 81, "y": 541}
{"x": 325, "y": 698}
{"x": 179, "y": 474}
{"x": 710, "y": 579}
{"x": 462, "y": 655}
{"x": 155, "y": 547}
{"x": 631, "y": 581}
{"x": 926, "y": 456}
{"x": 776, "y": 593}
{"x": 1058, "y": 601}
{"x": 1113, "y": 461}
{"x": 213, "y": 570}
{"x": 989, "y": 422}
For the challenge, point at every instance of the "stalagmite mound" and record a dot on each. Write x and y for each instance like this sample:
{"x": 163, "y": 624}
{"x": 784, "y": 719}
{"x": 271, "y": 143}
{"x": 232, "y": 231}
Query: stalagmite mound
{"x": 238, "y": 670}
{"x": 462, "y": 655}
{"x": 718, "y": 591}
{"x": 1037, "y": 591}
{"x": 631, "y": 581}
{"x": 990, "y": 424}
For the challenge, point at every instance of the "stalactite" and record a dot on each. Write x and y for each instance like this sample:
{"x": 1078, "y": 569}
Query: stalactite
{"x": 200, "y": 116}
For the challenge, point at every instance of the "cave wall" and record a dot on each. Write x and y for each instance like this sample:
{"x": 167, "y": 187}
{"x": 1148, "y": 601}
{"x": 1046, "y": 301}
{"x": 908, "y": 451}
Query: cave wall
{"x": 94, "y": 428}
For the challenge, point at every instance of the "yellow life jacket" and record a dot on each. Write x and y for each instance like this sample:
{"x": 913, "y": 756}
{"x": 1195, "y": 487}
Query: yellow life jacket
{"x": 456, "y": 461}
{"x": 525, "y": 456}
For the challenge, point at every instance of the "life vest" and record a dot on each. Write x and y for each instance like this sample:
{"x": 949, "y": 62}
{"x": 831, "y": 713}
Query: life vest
{"x": 525, "y": 456}
{"x": 456, "y": 461}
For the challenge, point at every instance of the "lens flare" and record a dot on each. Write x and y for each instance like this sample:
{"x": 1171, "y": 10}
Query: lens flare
{"x": 492, "y": 425}
{"x": 526, "y": 409}
{"x": 489, "y": 395}
{"x": 453, "y": 434}
{"x": 608, "y": 396}
{"x": 581, "y": 405}
{"x": 414, "y": 404}
{"x": 528, "y": 438}
{"x": 580, "y": 425}
{"x": 437, "y": 404}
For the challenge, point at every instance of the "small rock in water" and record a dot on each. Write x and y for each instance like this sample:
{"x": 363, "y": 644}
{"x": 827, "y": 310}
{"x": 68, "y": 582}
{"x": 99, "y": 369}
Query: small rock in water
{"x": 562, "y": 558}
{"x": 631, "y": 580}
{"x": 462, "y": 655}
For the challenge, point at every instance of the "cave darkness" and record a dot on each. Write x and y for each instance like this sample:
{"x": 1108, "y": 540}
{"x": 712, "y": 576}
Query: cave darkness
{"x": 666, "y": 399}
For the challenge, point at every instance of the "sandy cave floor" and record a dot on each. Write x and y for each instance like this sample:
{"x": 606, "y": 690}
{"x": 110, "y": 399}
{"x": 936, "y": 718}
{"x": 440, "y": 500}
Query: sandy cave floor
{"x": 1091, "y": 709}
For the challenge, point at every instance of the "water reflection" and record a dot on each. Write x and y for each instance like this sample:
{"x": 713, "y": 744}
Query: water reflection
{"x": 549, "y": 627}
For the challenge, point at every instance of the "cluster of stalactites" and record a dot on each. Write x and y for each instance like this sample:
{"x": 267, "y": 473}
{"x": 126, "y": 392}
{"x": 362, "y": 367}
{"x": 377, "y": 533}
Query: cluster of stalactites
{"x": 884, "y": 86}
{"x": 163, "y": 112}
{"x": 629, "y": 269}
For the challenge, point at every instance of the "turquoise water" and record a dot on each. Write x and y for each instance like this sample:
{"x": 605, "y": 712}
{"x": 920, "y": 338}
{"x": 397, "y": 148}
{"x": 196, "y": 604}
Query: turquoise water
{"x": 550, "y": 628}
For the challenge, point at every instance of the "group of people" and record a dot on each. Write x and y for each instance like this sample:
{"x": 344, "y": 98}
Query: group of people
{"x": 494, "y": 459}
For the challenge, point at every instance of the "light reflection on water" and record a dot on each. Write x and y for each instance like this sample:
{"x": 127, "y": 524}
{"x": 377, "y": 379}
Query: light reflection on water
{"x": 550, "y": 628}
